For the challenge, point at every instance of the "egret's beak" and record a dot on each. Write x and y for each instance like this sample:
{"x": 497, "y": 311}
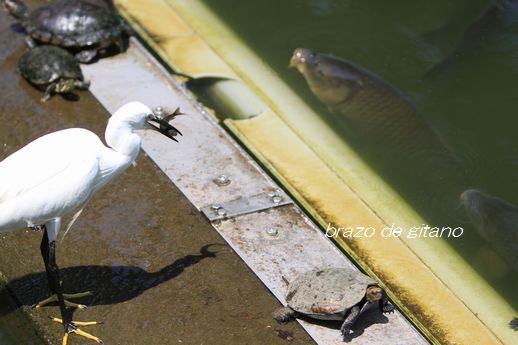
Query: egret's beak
{"x": 161, "y": 124}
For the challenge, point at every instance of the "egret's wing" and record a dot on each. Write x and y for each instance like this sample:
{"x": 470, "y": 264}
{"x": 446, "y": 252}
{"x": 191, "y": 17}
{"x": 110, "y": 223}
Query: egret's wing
{"x": 43, "y": 160}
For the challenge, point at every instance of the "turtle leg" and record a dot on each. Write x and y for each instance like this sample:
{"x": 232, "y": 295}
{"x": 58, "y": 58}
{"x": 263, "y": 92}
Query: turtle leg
{"x": 384, "y": 304}
{"x": 86, "y": 56}
{"x": 48, "y": 92}
{"x": 30, "y": 42}
{"x": 121, "y": 44}
{"x": 350, "y": 320}
{"x": 284, "y": 314}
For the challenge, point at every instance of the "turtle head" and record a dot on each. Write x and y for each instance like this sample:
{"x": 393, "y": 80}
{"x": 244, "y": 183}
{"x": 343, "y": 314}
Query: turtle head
{"x": 16, "y": 8}
{"x": 65, "y": 86}
{"x": 374, "y": 293}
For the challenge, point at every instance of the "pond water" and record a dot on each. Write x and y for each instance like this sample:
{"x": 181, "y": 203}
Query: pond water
{"x": 457, "y": 63}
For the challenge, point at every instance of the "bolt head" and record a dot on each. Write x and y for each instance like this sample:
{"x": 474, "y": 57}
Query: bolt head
{"x": 159, "y": 111}
{"x": 272, "y": 231}
{"x": 222, "y": 180}
{"x": 276, "y": 199}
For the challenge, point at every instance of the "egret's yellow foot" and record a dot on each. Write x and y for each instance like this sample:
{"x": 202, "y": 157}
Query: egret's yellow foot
{"x": 54, "y": 298}
{"x": 72, "y": 328}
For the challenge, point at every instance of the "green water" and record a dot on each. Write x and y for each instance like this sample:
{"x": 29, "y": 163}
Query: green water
{"x": 463, "y": 84}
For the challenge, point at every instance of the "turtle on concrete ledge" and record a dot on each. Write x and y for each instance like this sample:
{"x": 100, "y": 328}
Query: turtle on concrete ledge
{"x": 333, "y": 294}
{"x": 52, "y": 69}
{"x": 82, "y": 27}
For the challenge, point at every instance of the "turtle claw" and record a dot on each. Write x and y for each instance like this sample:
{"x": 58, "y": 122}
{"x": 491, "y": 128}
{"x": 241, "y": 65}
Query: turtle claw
{"x": 29, "y": 41}
{"x": 345, "y": 329}
{"x": 388, "y": 308}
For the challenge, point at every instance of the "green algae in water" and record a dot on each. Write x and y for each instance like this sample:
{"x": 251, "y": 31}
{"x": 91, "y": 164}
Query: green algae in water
{"x": 457, "y": 61}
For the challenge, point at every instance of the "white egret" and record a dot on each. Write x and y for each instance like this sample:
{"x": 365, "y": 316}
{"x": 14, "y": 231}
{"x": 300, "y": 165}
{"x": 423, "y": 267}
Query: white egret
{"x": 57, "y": 174}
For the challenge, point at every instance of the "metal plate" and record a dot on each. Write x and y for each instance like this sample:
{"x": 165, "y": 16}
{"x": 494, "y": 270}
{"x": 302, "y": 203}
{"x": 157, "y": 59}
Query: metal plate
{"x": 242, "y": 205}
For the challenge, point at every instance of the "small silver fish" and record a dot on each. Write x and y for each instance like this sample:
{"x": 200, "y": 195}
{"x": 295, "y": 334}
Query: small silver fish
{"x": 497, "y": 222}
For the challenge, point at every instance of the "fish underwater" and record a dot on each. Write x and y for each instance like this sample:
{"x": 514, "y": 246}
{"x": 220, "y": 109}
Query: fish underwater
{"x": 497, "y": 222}
{"x": 385, "y": 122}
{"x": 494, "y": 34}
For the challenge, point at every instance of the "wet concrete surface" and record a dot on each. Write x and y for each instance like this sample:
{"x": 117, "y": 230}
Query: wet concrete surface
{"x": 160, "y": 274}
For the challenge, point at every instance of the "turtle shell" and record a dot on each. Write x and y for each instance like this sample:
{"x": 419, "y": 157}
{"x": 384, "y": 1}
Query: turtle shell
{"x": 74, "y": 23}
{"x": 327, "y": 293}
{"x": 45, "y": 64}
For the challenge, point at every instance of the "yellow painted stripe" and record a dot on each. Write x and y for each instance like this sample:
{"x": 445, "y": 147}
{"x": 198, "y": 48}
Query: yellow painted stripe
{"x": 173, "y": 39}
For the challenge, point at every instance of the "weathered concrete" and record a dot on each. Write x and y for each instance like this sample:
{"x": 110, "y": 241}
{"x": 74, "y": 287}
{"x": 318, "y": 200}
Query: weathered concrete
{"x": 159, "y": 272}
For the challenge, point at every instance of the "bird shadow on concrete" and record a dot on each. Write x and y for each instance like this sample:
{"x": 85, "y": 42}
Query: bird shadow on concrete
{"x": 368, "y": 318}
{"x": 108, "y": 284}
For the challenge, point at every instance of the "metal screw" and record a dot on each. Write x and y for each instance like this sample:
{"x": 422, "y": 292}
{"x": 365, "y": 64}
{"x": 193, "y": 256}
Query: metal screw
{"x": 276, "y": 199}
{"x": 216, "y": 206}
{"x": 222, "y": 180}
{"x": 222, "y": 211}
{"x": 272, "y": 231}
{"x": 159, "y": 111}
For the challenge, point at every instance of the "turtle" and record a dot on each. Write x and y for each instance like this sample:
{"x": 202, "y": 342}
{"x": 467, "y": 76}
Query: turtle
{"x": 332, "y": 294}
{"x": 84, "y": 28}
{"x": 52, "y": 69}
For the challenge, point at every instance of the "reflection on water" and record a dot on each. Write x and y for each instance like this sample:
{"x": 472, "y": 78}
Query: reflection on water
{"x": 466, "y": 93}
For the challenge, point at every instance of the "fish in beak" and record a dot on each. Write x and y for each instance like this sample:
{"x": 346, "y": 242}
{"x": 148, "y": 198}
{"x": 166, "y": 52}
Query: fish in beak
{"x": 161, "y": 124}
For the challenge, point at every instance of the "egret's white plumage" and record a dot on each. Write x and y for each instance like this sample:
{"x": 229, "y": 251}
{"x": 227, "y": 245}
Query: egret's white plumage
{"x": 59, "y": 172}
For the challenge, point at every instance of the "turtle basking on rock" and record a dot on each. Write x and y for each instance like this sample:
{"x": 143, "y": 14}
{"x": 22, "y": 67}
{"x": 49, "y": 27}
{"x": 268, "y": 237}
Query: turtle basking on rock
{"x": 332, "y": 294}
{"x": 84, "y": 28}
{"x": 52, "y": 69}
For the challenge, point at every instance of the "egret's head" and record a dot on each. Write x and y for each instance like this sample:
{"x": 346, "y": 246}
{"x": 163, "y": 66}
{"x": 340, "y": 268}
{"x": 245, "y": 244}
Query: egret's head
{"x": 139, "y": 116}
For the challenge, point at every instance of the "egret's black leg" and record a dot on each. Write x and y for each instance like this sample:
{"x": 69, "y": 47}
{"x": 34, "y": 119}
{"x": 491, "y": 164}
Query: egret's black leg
{"x": 48, "y": 251}
{"x": 45, "y": 254}
{"x": 44, "y": 248}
